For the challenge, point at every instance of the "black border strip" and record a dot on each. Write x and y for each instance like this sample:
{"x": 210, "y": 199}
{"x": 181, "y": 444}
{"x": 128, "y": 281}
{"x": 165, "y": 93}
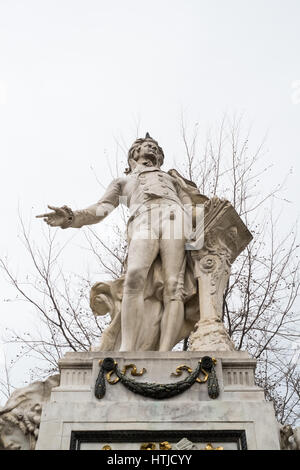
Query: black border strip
{"x": 136, "y": 435}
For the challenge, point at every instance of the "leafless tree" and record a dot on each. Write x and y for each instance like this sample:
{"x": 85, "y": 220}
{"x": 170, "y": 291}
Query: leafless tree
{"x": 61, "y": 304}
{"x": 260, "y": 301}
{"x": 259, "y": 307}
{"x": 6, "y": 387}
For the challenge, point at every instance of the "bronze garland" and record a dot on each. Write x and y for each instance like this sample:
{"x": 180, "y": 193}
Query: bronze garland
{"x": 109, "y": 366}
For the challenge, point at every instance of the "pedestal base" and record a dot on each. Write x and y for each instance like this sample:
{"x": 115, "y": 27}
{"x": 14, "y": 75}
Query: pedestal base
{"x": 239, "y": 418}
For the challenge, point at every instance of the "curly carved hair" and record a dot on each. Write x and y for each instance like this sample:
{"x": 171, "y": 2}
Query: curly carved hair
{"x": 27, "y": 421}
{"x": 136, "y": 148}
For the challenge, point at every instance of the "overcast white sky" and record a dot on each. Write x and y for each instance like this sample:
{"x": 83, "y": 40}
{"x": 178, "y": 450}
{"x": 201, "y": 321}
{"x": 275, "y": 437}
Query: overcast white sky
{"x": 75, "y": 74}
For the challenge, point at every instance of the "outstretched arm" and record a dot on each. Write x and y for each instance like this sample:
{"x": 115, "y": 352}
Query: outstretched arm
{"x": 64, "y": 217}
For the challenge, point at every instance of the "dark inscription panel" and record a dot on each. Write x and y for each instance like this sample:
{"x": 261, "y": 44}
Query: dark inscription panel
{"x": 134, "y": 439}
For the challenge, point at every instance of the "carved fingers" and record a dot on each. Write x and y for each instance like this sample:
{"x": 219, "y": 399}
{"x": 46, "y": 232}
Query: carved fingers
{"x": 58, "y": 218}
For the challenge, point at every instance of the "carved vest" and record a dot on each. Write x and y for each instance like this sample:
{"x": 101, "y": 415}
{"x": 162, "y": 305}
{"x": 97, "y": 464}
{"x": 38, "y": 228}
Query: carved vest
{"x": 153, "y": 184}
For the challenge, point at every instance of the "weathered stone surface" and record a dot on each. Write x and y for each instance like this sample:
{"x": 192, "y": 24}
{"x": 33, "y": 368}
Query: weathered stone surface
{"x": 240, "y": 405}
{"x": 289, "y": 438}
{"x": 20, "y": 417}
{"x": 210, "y": 334}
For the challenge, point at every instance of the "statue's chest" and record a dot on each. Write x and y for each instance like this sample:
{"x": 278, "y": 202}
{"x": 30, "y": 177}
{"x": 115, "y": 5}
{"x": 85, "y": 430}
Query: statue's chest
{"x": 158, "y": 180}
{"x": 140, "y": 186}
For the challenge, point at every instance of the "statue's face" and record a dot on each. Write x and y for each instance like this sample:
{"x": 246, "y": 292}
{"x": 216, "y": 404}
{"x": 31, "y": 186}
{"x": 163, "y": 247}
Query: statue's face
{"x": 148, "y": 152}
{"x": 12, "y": 438}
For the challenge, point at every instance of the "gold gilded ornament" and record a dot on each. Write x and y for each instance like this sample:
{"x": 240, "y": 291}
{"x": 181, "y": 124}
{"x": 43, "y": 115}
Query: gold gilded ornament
{"x": 209, "y": 446}
{"x": 179, "y": 370}
{"x": 165, "y": 445}
{"x": 148, "y": 446}
{"x": 134, "y": 371}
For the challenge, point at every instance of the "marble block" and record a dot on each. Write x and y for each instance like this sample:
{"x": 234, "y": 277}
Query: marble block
{"x": 239, "y": 418}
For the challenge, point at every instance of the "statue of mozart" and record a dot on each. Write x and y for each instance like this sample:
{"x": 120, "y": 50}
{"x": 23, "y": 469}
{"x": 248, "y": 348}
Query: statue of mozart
{"x": 155, "y": 304}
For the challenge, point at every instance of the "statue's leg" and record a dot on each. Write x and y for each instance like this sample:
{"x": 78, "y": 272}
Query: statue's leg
{"x": 141, "y": 255}
{"x": 173, "y": 264}
{"x": 149, "y": 334}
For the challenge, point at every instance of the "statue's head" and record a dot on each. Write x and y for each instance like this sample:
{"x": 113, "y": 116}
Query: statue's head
{"x": 20, "y": 417}
{"x": 145, "y": 149}
{"x": 17, "y": 432}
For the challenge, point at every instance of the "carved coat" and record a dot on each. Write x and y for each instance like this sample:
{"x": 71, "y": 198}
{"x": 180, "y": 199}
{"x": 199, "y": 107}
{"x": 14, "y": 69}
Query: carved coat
{"x": 139, "y": 188}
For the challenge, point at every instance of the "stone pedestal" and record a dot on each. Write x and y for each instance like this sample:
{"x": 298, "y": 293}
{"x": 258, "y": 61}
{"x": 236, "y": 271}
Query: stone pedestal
{"x": 239, "y": 418}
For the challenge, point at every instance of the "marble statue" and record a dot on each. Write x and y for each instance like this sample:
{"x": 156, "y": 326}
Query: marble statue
{"x": 174, "y": 278}
{"x": 20, "y": 417}
{"x": 289, "y": 438}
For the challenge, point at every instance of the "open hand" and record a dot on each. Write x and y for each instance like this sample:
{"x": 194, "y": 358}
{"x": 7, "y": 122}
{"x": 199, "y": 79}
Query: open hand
{"x": 59, "y": 218}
